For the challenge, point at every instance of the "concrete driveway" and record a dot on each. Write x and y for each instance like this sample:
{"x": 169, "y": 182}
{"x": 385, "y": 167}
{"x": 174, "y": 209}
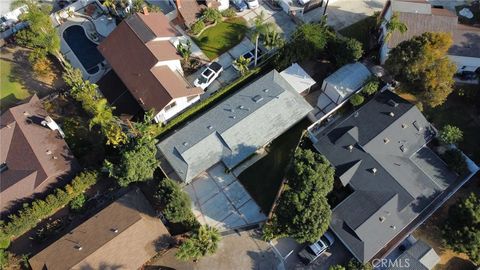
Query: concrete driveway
{"x": 220, "y": 200}
{"x": 342, "y": 13}
{"x": 244, "y": 250}
{"x": 288, "y": 249}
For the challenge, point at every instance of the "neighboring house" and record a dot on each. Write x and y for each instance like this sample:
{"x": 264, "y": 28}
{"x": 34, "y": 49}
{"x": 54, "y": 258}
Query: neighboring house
{"x": 339, "y": 86}
{"x": 124, "y": 235}
{"x": 189, "y": 11}
{"x": 380, "y": 156}
{"x": 234, "y": 129}
{"x": 141, "y": 52}
{"x": 421, "y": 17}
{"x": 34, "y": 156}
{"x": 420, "y": 256}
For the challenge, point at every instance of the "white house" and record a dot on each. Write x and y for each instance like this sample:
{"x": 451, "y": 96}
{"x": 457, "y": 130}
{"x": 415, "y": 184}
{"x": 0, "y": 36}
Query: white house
{"x": 421, "y": 17}
{"x": 298, "y": 78}
{"x": 142, "y": 53}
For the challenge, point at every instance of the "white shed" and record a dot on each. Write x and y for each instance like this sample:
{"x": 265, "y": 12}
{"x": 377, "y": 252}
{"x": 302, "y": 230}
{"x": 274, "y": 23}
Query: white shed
{"x": 344, "y": 82}
{"x": 298, "y": 78}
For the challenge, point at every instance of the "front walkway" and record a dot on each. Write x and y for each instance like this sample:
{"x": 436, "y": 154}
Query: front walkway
{"x": 220, "y": 200}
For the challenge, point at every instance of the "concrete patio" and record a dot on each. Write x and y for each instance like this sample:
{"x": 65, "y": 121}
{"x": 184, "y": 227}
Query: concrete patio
{"x": 220, "y": 200}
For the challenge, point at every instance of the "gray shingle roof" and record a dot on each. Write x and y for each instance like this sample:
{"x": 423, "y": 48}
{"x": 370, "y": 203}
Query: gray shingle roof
{"x": 420, "y": 256}
{"x": 390, "y": 186}
{"x": 235, "y": 128}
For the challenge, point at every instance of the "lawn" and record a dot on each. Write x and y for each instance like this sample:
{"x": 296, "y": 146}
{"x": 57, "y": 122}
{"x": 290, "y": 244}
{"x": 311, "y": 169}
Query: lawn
{"x": 220, "y": 38}
{"x": 360, "y": 31}
{"x": 263, "y": 178}
{"x": 10, "y": 92}
{"x": 460, "y": 111}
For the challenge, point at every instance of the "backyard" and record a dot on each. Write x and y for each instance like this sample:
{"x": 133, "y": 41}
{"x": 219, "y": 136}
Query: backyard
{"x": 11, "y": 91}
{"x": 223, "y": 36}
{"x": 361, "y": 31}
{"x": 18, "y": 81}
{"x": 263, "y": 178}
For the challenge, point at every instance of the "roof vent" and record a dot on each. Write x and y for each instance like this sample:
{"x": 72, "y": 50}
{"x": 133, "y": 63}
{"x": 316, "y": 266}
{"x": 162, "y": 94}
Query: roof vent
{"x": 374, "y": 170}
{"x": 78, "y": 247}
{"x": 209, "y": 127}
{"x": 55, "y": 157}
{"x": 114, "y": 230}
{"x": 233, "y": 116}
{"x": 386, "y": 140}
{"x": 185, "y": 143}
{"x": 392, "y": 103}
{"x": 350, "y": 148}
{"x": 404, "y": 125}
{"x": 141, "y": 101}
{"x": 3, "y": 167}
{"x": 266, "y": 90}
{"x": 382, "y": 219}
{"x": 48, "y": 152}
{"x": 403, "y": 148}
{"x": 391, "y": 114}
{"x": 355, "y": 114}
{"x": 393, "y": 227}
{"x": 241, "y": 107}
{"x": 257, "y": 98}
{"x": 26, "y": 113}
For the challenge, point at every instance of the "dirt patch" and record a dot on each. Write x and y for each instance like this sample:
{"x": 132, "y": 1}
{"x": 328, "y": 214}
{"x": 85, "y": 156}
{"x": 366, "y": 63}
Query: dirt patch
{"x": 22, "y": 72}
{"x": 431, "y": 233}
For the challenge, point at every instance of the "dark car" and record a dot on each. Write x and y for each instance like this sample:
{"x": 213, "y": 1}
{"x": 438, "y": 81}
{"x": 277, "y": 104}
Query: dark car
{"x": 311, "y": 252}
{"x": 467, "y": 75}
{"x": 240, "y": 5}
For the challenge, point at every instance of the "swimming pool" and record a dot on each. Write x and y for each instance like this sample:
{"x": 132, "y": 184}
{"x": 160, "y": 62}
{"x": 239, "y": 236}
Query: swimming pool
{"x": 85, "y": 50}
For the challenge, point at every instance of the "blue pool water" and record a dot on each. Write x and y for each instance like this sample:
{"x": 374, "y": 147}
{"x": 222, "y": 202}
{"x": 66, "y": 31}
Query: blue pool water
{"x": 85, "y": 50}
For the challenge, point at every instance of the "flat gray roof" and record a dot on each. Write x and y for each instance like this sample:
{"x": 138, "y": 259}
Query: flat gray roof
{"x": 235, "y": 128}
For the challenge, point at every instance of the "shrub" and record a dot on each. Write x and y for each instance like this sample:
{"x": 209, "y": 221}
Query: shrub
{"x": 372, "y": 85}
{"x": 211, "y": 15}
{"x": 78, "y": 202}
{"x": 197, "y": 27}
{"x": 451, "y": 134}
{"x": 176, "y": 203}
{"x": 455, "y": 161}
{"x": 30, "y": 215}
{"x": 228, "y": 13}
{"x": 357, "y": 100}
{"x": 203, "y": 242}
{"x": 345, "y": 50}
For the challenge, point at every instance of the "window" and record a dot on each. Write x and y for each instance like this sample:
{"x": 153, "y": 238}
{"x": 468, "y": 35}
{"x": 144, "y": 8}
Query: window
{"x": 169, "y": 106}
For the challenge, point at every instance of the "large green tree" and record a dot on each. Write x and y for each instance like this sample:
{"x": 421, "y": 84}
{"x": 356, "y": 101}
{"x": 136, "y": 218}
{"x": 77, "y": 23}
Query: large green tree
{"x": 138, "y": 162}
{"x": 344, "y": 50}
{"x": 175, "y": 202}
{"x": 303, "y": 211}
{"x": 461, "y": 231}
{"x": 450, "y": 134}
{"x": 202, "y": 243}
{"x": 422, "y": 66}
{"x": 307, "y": 42}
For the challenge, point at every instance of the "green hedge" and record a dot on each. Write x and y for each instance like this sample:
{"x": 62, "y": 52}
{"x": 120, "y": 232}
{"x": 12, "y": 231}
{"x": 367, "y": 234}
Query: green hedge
{"x": 31, "y": 214}
{"x": 198, "y": 107}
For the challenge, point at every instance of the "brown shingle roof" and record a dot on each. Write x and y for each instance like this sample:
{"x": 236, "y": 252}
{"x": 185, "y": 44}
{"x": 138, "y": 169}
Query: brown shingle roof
{"x": 132, "y": 52}
{"x": 124, "y": 235}
{"x": 466, "y": 39}
{"x": 189, "y": 10}
{"x": 34, "y": 155}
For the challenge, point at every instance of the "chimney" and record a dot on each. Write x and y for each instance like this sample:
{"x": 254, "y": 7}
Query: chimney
{"x": 145, "y": 10}
{"x": 350, "y": 148}
{"x": 374, "y": 170}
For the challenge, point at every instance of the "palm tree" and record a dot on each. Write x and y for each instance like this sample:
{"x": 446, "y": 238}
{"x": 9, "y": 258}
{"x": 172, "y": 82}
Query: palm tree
{"x": 185, "y": 50}
{"x": 260, "y": 28}
{"x": 395, "y": 25}
{"x": 242, "y": 64}
{"x": 273, "y": 40}
{"x": 203, "y": 242}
